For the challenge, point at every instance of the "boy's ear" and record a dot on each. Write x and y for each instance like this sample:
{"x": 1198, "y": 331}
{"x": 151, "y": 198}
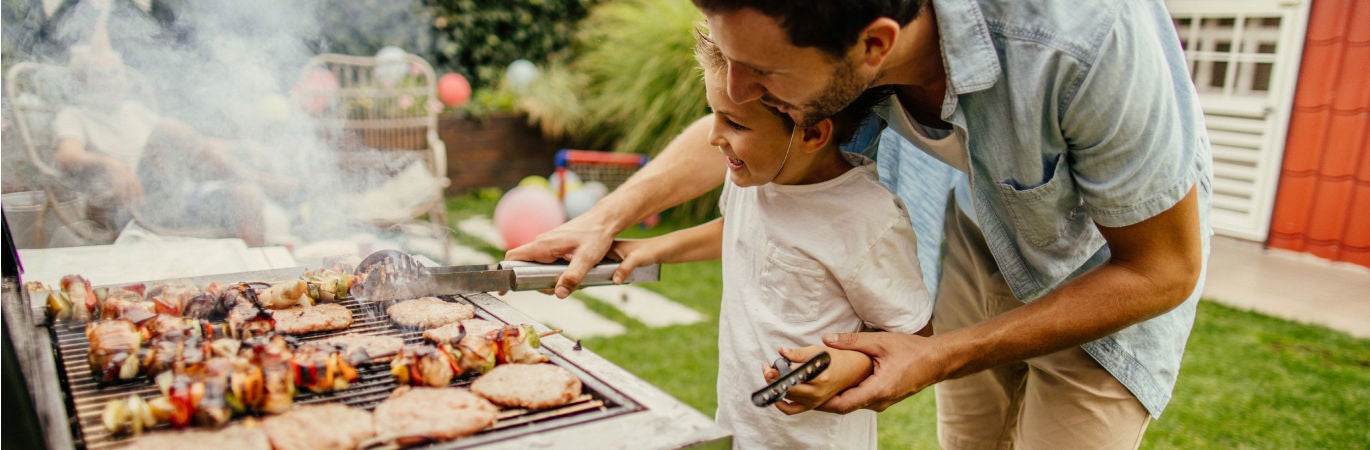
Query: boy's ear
{"x": 817, "y": 136}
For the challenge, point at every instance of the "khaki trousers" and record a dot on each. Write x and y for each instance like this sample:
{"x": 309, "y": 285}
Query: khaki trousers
{"x": 1062, "y": 400}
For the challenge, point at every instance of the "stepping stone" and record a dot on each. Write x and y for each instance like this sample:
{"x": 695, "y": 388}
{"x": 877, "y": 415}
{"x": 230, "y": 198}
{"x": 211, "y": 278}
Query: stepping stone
{"x": 645, "y": 306}
{"x": 480, "y": 227}
{"x": 569, "y": 314}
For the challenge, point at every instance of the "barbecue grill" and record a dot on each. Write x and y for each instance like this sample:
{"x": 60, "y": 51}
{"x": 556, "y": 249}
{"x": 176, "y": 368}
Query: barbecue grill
{"x": 616, "y": 410}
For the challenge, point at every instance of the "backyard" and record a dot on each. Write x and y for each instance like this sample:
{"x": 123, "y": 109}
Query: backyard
{"x": 1248, "y": 380}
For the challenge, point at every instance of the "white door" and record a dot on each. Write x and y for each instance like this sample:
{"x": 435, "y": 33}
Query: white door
{"x": 1244, "y": 58}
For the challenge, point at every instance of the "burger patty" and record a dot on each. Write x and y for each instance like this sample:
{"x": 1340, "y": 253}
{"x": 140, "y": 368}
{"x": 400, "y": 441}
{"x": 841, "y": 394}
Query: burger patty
{"x": 235, "y": 437}
{"x": 378, "y": 349}
{"x": 329, "y": 426}
{"x": 475, "y": 329}
{"x": 532, "y": 386}
{"x": 429, "y": 312}
{"x": 440, "y": 414}
{"x": 310, "y": 319}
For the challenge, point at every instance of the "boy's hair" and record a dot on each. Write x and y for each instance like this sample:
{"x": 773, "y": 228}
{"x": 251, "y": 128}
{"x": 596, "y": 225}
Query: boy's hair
{"x": 830, "y": 25}
{"x": 712, "y": 63}
{"x": 844, "y": 123}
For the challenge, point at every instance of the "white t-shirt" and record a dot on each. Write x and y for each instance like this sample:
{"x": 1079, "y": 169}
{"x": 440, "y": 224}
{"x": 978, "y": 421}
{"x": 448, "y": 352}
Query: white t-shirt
{"x": 800, "y": 261}
{"x": 121, "y": 133}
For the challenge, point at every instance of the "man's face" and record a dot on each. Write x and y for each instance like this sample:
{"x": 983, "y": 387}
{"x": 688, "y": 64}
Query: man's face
{"x": 805, "y": 83}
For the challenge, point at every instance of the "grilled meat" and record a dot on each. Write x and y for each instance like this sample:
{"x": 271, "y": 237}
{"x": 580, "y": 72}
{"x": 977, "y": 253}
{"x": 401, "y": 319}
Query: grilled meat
{"x": 329, "y": 426}
{"x": 310, "y": 319}
{"x": 114, "y": 346}
{"x": 234, "y": 437}
{"x": 432, "y": 414}
{"x": 424, "y": 364}
{"x": 532, "y": 386}
{"x": 367, "y": 349}
{"x": 429, "y": 312}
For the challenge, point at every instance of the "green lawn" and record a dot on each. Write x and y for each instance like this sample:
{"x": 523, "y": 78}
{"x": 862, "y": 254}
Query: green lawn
{"x": 1248, "y": 380}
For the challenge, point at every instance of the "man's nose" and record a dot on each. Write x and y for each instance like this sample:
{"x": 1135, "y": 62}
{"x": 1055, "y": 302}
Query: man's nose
{"x": 743, "y": 85}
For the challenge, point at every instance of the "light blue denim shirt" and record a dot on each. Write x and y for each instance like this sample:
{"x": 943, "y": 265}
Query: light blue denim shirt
{"x": 1074, "y": 114}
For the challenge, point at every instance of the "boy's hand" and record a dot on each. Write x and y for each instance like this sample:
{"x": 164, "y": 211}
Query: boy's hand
{"x": 632, "y": 253}
{"x": 848, "y": 369}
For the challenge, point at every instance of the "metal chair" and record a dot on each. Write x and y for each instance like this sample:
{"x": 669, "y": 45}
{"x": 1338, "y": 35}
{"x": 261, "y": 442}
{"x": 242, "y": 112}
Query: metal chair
{"x": 381, "y": 116}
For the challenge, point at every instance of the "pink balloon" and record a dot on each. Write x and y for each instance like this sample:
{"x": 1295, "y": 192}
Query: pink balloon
{"x": 316, "y": 90}
{"x": 453, "y": 89}
{"x": 525, "y": 212}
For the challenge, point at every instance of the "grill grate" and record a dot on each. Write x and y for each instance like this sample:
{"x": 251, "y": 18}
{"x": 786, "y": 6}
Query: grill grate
{"x": 374, "y": 384}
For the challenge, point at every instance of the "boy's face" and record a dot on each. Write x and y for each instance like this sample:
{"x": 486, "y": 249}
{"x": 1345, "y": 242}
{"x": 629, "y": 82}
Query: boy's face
{"x": 753, "y": 139}
{"x": 804, "y": 83}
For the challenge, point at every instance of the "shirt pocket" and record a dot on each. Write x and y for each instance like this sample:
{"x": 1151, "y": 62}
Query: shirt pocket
{"x": 791, "y": 285}
{"x": 1049, "y": 215}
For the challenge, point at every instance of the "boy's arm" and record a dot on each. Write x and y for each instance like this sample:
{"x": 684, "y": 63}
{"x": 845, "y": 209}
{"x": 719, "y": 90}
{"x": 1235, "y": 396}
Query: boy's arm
{"x": 848, "y": 369}
{"x": 698, "y": 243}
{"x": 687, "y": 168}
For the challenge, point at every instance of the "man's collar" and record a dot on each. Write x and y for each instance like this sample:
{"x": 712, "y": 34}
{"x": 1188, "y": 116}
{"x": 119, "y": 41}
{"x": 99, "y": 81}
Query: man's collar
{"x": 967, "y": 50}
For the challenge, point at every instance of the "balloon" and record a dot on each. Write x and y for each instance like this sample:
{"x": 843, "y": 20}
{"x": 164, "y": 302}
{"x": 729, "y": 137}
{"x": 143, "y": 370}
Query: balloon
{"x": 524, "y": 213}
{"x": 598, "y": 188}
{"x": 535, "y": 181}
{"x": 391, "y": 65}
{"x": 554, "y": 182}
{"x": 316, "y": 90}
{"x": 520, "y": 73}
{"x": 453, "y": 89}
{"x": 579, "y": 201}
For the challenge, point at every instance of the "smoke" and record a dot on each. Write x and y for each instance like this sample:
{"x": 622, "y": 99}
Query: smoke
{"x": 232, "y": 70}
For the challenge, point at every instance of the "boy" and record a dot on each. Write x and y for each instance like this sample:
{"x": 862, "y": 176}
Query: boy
{"x": 783, "y": 284}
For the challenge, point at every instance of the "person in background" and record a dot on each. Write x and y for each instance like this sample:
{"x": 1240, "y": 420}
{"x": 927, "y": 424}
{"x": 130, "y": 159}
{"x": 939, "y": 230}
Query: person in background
{"x": 1075, "y": 215}
{"x": 786, "y": 279}
{"x": 131, "y": 159}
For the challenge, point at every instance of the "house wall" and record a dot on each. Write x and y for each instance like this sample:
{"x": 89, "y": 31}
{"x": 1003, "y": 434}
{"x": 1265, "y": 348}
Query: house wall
{"x": 1322, "y": 205}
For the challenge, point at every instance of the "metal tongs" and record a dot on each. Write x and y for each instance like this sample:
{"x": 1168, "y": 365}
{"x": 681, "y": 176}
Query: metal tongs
{"x": 393, "y": 275}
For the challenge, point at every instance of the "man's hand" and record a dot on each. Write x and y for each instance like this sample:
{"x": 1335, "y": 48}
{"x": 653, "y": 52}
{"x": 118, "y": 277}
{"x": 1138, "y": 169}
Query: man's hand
{"x": 847, "y": 369}
{"x": 583, "y": 241}
{"x": 903, "y": 365}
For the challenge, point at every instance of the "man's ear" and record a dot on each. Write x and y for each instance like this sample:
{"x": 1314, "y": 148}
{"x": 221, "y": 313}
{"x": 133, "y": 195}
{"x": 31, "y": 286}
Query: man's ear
{"x": 877, "y": 41}
{"x": 815, "y": 137}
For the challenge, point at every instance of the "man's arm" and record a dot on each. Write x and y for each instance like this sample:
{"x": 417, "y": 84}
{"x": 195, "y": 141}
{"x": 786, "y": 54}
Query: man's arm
{"x": 1154, "y": 267}
{"x": 687, "y": 168}
{"x": 72, "y": 156}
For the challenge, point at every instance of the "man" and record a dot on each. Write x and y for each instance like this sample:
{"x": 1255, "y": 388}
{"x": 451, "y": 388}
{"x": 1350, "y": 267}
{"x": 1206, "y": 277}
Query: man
{"x": 1077, "y": 232}
{"x": 132, "y": 159}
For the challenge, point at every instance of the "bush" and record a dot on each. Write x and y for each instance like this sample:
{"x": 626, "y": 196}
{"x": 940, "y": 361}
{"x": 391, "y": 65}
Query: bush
{"x": 630, "y": 84}
{"x": 479, "y": 38}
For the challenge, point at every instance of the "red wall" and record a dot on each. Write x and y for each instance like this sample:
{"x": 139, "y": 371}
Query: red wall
{"x": 1323, "y": 203}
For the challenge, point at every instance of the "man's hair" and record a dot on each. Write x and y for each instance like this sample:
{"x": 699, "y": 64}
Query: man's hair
{"x": 829, "y": 25}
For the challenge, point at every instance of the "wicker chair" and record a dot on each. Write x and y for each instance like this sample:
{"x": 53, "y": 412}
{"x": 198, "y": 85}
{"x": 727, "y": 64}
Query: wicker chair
{"x": 34, "y": 93}
{"x": 381, "y": 119}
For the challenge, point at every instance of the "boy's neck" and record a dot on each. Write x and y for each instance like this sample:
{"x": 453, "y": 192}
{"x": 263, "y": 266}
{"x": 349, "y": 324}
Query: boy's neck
{"x": 826, "y": 164}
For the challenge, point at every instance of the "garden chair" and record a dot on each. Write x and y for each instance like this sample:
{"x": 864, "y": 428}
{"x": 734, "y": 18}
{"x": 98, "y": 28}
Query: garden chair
{"x": 380, "y": 116}
{"x": 34, "y": 92}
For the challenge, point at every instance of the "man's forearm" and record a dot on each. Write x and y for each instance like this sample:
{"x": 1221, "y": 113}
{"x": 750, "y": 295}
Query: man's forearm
{"x": 687, "y": 168}
{"x": 1154, "y": 267}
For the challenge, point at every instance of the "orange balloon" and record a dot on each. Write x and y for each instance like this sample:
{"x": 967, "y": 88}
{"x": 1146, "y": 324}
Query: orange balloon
{"x": 453, "y": 89}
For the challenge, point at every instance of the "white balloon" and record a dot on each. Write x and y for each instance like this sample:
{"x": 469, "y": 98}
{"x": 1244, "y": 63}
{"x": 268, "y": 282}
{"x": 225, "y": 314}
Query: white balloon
{"x": 391, "y": 65}
{"x": 520, "y": 73}
{"x": 579, "y": 201}
{"x": 598, "y": 188}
